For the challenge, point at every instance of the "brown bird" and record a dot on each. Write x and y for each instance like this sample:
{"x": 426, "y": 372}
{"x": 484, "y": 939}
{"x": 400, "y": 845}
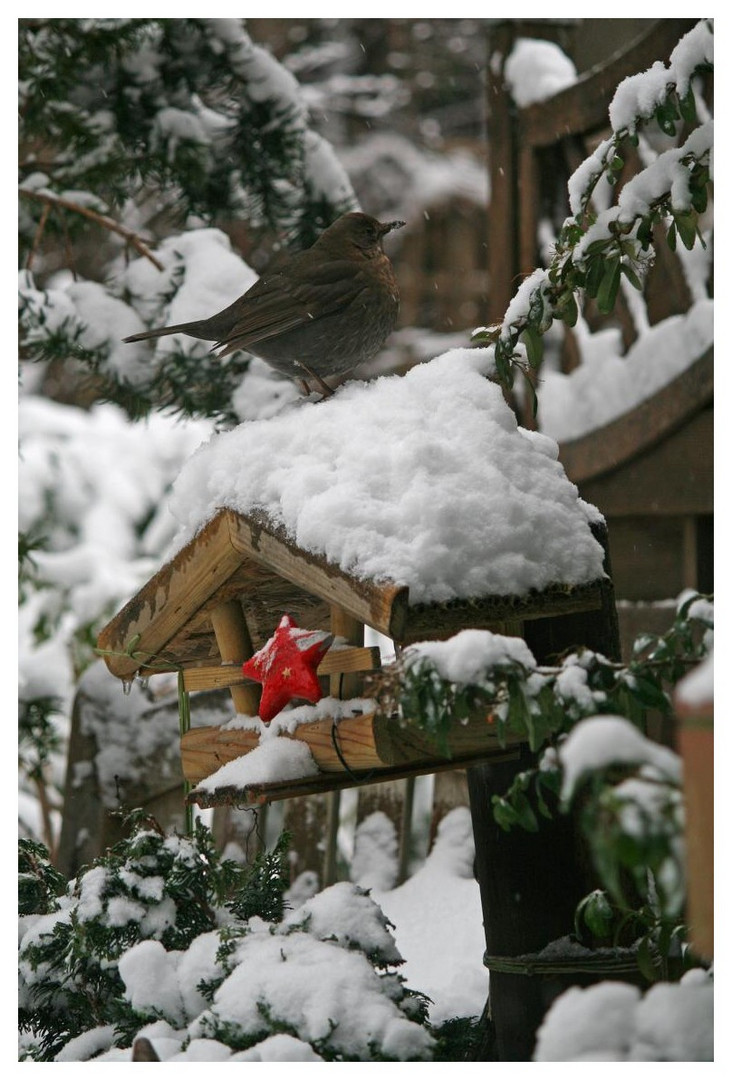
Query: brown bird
{"x": 317, "y": 313}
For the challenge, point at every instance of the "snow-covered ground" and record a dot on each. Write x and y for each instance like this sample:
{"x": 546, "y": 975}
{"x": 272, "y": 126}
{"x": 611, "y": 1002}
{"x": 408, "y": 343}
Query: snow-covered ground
{"x": 438, "y": 923}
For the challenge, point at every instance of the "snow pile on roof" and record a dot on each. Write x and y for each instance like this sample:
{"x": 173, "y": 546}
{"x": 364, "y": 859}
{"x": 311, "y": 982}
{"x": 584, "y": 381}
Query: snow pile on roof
{"x": 425, "y": 480}
{"x": 536, "y": 70}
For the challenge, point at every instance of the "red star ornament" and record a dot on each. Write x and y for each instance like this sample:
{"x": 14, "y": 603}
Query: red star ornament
{"x": 287, "y": 665}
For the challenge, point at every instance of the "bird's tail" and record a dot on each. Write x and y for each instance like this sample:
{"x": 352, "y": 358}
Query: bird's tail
{"x": 162, "y": 331}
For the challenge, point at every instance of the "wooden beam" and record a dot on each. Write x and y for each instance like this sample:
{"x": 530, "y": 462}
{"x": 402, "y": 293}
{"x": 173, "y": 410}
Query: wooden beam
{"x": 206, "y": 749}
{"x": 441, "y": 621}
{"x": 344, "y": 626}
{"x": 583, "y": 106}
{"x": 235, "y": 646}
{"x": 335, "y": 662}
{"x": 264, "y": 793}
{"x": 501, "y": 130}
{"x": 384, "y": 607}
{"x": 605, "y": 449}
{"x": 354, "y": 744}
{"x": 138, "y": 635}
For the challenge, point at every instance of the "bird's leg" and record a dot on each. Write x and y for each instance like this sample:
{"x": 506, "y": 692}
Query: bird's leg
{"x": 327, "y": 390}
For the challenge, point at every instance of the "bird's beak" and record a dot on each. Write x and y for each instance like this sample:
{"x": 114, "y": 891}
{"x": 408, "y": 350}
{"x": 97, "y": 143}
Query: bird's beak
{"x": 387, "y": 226}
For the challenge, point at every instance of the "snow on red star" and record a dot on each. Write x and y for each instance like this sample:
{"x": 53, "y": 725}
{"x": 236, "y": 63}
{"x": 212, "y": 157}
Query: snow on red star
{"x": 286, "y": 666}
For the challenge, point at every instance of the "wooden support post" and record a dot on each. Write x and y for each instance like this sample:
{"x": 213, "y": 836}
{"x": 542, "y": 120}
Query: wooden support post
{"x": 235, "y": 646}
{"x": 450, "y": 790}
{"x": 530, "y": 883}
{"x": 501, "y": 235}
{"x": 345, "y": 626}
{"x": 342, "y": 686}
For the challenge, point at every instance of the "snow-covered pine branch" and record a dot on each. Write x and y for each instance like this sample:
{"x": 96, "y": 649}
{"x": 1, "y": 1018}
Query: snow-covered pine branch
{"x": 130, "y": 128}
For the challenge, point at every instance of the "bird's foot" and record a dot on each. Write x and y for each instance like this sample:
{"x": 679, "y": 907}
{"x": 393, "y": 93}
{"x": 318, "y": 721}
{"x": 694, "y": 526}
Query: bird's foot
{"x": 327, "y": 391}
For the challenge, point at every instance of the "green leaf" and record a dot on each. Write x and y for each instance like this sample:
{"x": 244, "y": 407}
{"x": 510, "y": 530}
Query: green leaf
{"x": 597, "y": 247}
{"x": 666, "y": 116}
{"x": 594, "y": 276}
{"x": 686, "y": 226}
{"x": 648, "y": 961}
{"x": 534, "y": 343}
{"x": 569, "y": 311}
{"x": 687, "y": 107}
{"x": 540, "y": 800}
{"x": 608, "y": 291}
{"x": 650, "y": 694}
{"x": 632, "y": 277}
{"x": 699, "y": 199}
{"x": 532, "y": 393}
{"x": 644, "y": 234}
{"x": 671, "y": 236}
{"x": 525, "y": 815}
{"x": 504, "y": 814}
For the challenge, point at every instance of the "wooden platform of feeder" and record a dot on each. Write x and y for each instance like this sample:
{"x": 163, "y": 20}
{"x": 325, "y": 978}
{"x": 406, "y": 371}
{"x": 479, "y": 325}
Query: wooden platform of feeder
{"x": 355, "y": 750}
{"x": 169, "y": 624}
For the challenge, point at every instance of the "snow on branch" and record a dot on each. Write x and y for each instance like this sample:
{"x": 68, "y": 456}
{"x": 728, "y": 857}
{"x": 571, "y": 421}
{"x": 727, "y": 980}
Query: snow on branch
{"x": 594, "y": 252}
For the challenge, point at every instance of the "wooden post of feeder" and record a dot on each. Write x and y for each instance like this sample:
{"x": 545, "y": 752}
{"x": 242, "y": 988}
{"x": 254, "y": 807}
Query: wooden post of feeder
{"x": 531, "y": 883}
{"x": 235, "y": 646}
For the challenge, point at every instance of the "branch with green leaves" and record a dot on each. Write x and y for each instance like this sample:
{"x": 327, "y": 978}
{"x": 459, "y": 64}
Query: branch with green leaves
{"x": 584, "y": 717}
{"x": 596, "y": 250}
{"x": 540, "y": 703}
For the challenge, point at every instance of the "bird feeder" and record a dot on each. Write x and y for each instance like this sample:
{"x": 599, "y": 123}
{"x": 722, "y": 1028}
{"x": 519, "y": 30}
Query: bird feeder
{"x": 219, "y": 600}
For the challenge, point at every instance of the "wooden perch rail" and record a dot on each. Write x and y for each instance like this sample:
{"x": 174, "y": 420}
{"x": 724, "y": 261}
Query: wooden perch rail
{"x": 335, "y": 662}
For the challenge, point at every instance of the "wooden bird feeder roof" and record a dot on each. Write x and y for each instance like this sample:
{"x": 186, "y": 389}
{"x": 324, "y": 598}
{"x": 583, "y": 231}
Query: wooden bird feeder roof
{"x": 167, "y": 625}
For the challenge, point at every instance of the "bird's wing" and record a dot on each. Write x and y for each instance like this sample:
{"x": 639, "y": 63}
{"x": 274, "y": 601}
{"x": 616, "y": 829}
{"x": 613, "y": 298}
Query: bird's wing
{"x": 276, "y": 304}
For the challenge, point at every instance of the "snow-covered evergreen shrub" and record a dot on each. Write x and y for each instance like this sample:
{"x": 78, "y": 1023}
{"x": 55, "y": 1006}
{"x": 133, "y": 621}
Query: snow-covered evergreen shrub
{"x": 163, "y": 938}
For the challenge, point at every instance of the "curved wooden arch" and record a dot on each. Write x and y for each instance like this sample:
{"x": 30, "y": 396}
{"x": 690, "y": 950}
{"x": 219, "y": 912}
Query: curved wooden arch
{"x": 608, "y": 448}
